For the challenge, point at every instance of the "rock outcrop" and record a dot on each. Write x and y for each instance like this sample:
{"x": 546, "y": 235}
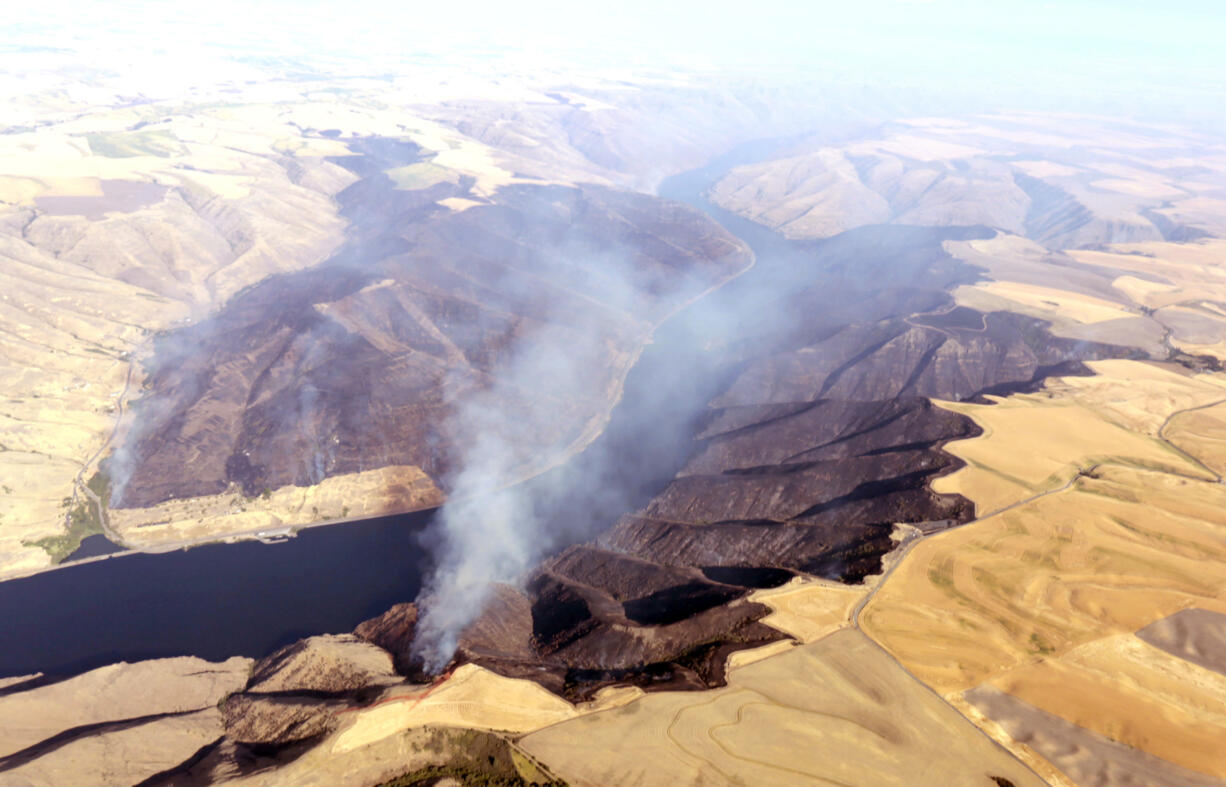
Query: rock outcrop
{"x": 294, "y": 693}
{"x": 273, "y": 721}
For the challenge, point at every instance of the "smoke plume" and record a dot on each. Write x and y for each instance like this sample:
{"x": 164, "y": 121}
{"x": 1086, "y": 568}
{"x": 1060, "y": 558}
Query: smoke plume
{"x": 551, "y": 396}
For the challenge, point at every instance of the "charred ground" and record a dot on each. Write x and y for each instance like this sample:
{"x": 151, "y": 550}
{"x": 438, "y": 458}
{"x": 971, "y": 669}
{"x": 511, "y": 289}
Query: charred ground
{"x": 803, "y": 433}
{"x": 352, "y": 365}
{"x": 818, "y": 437}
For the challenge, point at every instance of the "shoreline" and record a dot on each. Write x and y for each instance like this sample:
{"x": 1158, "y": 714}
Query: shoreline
{"x": 595, "y": 428}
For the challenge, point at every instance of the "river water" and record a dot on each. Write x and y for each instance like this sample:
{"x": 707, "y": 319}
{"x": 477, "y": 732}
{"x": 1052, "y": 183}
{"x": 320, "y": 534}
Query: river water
{"x": 212, "y": 601}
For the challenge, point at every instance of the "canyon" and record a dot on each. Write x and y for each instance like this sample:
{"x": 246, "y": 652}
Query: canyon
{"x": 798, "y": 429}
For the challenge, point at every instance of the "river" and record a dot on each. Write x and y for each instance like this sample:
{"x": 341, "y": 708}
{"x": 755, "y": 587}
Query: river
{"x": 213, "y": 601}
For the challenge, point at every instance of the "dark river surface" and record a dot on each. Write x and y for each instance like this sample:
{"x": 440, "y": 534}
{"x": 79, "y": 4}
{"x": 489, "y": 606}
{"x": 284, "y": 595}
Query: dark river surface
{"x": 214, "y": 601}
{"x": 249, "y": 598}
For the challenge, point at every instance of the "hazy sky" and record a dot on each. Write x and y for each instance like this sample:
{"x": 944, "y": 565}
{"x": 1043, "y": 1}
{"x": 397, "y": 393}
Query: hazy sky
{"x": 1184, "y": 31}
{"x": 1170, "y": 52}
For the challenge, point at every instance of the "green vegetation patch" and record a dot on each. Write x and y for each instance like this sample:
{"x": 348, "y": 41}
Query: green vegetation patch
{"x": 126, "y": 144}
{"x": 100, "y": 484}
{"x": 940, "y": 579}
{"x": 82, "y": 523}
{"x": 431, "y": 776}
{"x": 84, "y": 520}
{"x": 529, "y": 769}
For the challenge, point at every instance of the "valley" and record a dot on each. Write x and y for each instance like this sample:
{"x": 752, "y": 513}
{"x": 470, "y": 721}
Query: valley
{"x": 843, "y": 442}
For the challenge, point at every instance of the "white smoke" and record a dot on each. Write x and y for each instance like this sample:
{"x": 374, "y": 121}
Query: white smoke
{"x": 550, "y": 395}
{"x": 147, "y": 413}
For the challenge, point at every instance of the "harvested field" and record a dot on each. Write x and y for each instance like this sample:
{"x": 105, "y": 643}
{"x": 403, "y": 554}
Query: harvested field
{"x": 1194, "y": 635}
{"x": 1086, "y": 758}
{"x": 1108, "y": 555}
{"x": 1035, "y": 443}
{"x": 473, "y": 698}
{"x": 835, "y": 711}
{"x": 1202, "y": 433}
{"x": 809, "y": 609}
{"x": 1132, "y": 693}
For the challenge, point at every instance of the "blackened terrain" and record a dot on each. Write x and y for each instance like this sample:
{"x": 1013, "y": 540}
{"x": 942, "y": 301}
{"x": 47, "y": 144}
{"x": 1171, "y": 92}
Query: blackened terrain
{"x": 820, "y": 436}
{"x": 793, "y": 424}
{"x": 353, "y": 365}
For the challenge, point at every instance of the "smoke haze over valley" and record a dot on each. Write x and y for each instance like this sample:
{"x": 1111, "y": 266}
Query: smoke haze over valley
{"x": 695, "y": 393}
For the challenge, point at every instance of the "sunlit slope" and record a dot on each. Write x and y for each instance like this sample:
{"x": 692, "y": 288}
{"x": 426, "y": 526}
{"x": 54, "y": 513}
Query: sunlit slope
{"x": 1165, "y": 299}
{"x": 838, "y": 710}
{"x": 108, "y": 234}
{"x": 1182, "y": 285}
{"x": 1201, "y": 433}
{"x": 1066, "y": 182}
{"x": 1036, "y": 443}
{"x": 1112, "y": 553}
{"x": 1111, "y": 518}
{"x": 1129, "y": 691}
{"x": 120, "y": 724}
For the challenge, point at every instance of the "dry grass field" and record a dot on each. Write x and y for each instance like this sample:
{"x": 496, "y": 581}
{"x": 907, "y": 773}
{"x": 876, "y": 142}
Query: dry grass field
{"x": 837, "y": 711}
{"x": 473, "y": 698}
{"x": 1035, "y": 443}
{"x": 1081, "y": 756}
{"x": 1046, "y": 302}
{"x": 119, "y": 724}
{"x": 810, "y": 609}
{"x": 1131, "y": 692}
{"x": 1173, "y": 272}
{"x": 1110, "y": 518}
{"x": 1183, "y": 284}
{"x": 1110, "y": 554}
{"x": 1202, "y": 434}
